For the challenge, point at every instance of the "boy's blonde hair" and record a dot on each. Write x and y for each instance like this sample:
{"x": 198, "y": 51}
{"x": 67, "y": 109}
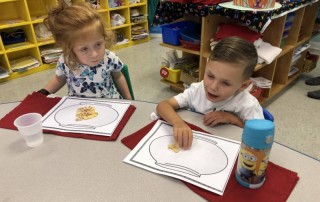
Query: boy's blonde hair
{"x": 236, "y": 50}
{"x": 66, "y": 24}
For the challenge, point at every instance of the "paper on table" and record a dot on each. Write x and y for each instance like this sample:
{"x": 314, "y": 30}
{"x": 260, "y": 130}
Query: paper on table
{"x": 208, "y": 164}
{"x": 62, "y": 117}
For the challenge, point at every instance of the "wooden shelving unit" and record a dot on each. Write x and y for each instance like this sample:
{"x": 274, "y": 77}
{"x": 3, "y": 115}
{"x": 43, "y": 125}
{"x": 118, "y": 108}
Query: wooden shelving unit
{"x": 299, "y": 34}
{"x": 26, "y": 14}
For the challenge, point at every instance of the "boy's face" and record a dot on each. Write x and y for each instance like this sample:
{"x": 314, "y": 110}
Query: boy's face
{"x": 222, "y": 80}
{"x": 89, "y": 49}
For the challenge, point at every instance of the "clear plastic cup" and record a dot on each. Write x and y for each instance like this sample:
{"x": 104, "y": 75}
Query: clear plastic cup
{"x": 30, "y": 127}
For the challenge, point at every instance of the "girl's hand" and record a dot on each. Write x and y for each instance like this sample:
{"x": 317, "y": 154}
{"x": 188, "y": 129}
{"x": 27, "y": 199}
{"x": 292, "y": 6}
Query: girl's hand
{"x": 218, "y": 117}
{"x": 182, "y": 135}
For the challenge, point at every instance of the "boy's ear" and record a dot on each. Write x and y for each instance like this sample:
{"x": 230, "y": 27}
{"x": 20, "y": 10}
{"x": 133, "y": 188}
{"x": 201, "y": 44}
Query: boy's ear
{"x": 245, "y": 84}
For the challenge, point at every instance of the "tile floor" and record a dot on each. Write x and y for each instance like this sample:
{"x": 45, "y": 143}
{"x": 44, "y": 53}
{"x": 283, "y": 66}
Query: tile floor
{"x": 296, "y": 116}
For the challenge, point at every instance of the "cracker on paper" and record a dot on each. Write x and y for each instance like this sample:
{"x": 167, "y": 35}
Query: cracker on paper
{"x": 86, "y": 113}
{"x": 174, "y": 147}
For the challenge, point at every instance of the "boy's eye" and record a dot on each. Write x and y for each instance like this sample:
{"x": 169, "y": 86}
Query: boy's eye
{"x": 225, "y": 83}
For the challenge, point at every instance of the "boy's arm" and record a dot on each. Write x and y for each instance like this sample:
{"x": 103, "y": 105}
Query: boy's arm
{"x": 217, "y": 117}
{"x": 122, "y": 85}
{"x": 181, "y": 131}
{"x": 166, "y": 109}
{"x": 235, "y": 120}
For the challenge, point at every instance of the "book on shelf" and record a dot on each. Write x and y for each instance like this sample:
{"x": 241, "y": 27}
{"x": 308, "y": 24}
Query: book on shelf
{"x": 293, "y": 70}
{"x": 46, "y": 51}
{"x": 24, "y": 63}
{"x": 3, "y": 72}
{"x": 51, "y": 58}
{"x": 50, "y": 55}
{"x": 138, "y": 32}
{"x": 139, "y": 36}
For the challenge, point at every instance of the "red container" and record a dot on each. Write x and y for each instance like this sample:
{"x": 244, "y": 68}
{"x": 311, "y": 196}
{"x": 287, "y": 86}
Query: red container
{"x": 190, "y": 45}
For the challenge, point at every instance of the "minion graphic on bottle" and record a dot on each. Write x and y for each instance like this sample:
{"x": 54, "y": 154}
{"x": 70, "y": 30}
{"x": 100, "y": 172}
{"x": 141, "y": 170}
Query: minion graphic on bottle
{"x": 257, "y": 139}
{"x": 251, "y": 166}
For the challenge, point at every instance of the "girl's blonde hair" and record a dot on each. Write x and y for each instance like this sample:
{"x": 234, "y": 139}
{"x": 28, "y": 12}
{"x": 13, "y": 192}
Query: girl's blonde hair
{"x": 66, "y": 22}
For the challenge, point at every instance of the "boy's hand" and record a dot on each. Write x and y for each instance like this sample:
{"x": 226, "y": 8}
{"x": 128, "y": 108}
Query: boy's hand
{"x": 181, "y": 131}
{"x": 218, "y": 117}
{"x": 182, "y": 135}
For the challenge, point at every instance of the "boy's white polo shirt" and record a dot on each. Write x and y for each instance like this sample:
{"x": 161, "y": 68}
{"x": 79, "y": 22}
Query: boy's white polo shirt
{"x": 243, "y": 104}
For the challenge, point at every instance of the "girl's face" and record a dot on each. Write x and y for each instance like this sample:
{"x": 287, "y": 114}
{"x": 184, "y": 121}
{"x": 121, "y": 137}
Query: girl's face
{"x": 222, "y": 80}
{"x": 90, "y": 48}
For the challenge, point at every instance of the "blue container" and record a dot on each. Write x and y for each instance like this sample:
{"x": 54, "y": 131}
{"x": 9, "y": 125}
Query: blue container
{"x": 290, "y": 17}
{"x": 191, "y": 35}
{"x": 155, "y": 29}
{"x": 171, "y": 32}
{"x": 287, "y": 26}
{"x": 257, "y": 140}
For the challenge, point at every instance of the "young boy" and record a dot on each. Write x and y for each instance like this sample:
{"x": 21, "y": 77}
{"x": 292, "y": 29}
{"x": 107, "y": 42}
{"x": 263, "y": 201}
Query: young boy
{"x": 221, "y": 96}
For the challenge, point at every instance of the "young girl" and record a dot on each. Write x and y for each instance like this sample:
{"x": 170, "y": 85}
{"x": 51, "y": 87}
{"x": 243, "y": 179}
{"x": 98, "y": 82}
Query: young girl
{"x": 86, "y": 66}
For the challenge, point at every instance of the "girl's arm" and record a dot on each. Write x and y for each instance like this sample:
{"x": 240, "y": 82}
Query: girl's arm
{"x": 55, "y": 84}
{"x": 122, "y": 85}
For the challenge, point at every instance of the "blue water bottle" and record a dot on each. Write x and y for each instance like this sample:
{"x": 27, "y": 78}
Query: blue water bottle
{"x": 257, "y": 139}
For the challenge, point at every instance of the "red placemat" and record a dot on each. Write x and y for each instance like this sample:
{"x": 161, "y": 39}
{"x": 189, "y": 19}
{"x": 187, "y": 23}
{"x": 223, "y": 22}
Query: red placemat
{"x": 278, "y": 185}
{"x": 39, "y": 103}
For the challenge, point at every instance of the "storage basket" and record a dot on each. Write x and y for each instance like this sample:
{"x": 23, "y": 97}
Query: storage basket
{"x": 257, "y": 92}
{"x": 187, "y": 78}
{"x": 191, "y": 35}
{"x": 190, "y": 45}
{"x": 310, "y": 63}
{"x": 171, "y": 32}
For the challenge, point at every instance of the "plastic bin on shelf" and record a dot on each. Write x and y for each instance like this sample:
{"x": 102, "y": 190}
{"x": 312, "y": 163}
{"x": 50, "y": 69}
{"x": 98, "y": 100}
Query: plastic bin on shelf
{"x": 169, "y": 74}
{"x": 171, "y": 32}
{"x": 190, "y": 45}
{"x": 191, "y": 35}
{"x": 287, "y": 26}
{"x": 290, "y": 17}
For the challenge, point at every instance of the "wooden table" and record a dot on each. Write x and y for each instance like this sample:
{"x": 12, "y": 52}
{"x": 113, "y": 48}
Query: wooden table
{"x": 72, "y": 169}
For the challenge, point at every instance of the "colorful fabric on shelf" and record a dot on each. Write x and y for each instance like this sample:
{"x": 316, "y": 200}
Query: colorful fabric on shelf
{"x": 167, "y": 12}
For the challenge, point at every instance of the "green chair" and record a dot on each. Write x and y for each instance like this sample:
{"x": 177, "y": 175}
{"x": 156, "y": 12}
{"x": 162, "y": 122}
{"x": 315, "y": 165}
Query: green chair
{"x": 125, "y": 72}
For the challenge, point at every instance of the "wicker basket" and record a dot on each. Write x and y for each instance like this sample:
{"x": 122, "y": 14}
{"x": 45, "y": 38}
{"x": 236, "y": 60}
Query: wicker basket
{"x": 310, "y": 63}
